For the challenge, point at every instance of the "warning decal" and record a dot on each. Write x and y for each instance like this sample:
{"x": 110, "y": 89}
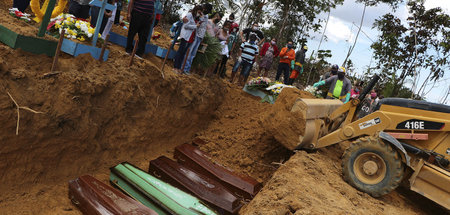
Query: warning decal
{"x": 369, "y": 123}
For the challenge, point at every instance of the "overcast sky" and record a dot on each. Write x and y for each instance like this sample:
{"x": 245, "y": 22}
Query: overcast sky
{"x": 341, "y": 33}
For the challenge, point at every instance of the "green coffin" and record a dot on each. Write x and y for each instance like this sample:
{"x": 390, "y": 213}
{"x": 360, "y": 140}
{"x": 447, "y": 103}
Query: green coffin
{"x": 155, "y": 193}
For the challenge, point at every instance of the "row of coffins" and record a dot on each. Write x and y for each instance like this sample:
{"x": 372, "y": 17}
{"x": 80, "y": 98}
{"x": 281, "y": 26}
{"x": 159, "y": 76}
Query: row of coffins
{"x": 193, "y": 184}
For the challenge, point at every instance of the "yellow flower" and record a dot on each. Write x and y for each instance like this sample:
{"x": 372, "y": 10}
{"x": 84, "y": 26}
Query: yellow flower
{"x": 99, "y": 35}
{"x": 81, "y": 39}
{"x": 91, "y": 30}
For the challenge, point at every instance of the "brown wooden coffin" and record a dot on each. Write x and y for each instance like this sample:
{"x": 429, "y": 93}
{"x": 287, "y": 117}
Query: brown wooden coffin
{"x": 92, "y": 196}
{"x": 199, "y": 161}
{"x": 205, "y": 188}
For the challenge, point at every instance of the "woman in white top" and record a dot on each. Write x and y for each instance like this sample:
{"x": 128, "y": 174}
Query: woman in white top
{"x": 187, "y": 35}
{"x": 223, "y": 35}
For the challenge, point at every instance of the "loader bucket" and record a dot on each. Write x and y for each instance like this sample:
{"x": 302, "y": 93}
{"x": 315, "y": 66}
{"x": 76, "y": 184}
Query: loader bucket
{"x": 315, "y": 112}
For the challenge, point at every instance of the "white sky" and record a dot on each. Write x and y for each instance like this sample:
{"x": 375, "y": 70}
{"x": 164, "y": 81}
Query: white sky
{"x": 342, "y": 29}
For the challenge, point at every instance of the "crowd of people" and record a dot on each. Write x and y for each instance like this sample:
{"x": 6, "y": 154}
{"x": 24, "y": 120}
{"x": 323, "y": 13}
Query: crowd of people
{"x": 253, "y": 52}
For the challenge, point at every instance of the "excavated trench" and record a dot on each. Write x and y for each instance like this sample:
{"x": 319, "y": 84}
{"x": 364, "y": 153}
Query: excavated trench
{"x": 96, "y": 115}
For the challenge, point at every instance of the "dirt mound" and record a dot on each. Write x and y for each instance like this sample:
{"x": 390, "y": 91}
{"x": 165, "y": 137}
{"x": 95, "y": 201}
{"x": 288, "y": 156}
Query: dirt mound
{"x": 312, "y": 184}
{"x": 284, "y": 124}
{"x": 237, "y": 138}
{"x": 95, "y": 115}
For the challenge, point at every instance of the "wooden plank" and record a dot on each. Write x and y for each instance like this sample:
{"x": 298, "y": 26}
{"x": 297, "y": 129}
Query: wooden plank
{"x": 8, "y": 37}
{"x": 58, "y": 50}
{"x": 36, "y": 45}
{"x": 100, "y": 3}
{"x": 117, "y": 39}
{"x": 149, "y": 48}
{"x": 46, "y": 18}
{"x": 94, "y": 51}
{"x": 101, "y": 13}
{"x": 69, "y": 46}
{"x": 75, "y": 49}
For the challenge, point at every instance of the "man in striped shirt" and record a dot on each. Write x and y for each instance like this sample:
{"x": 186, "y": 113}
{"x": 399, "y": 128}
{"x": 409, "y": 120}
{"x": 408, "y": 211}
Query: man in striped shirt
{"x": 141, "y": 14}
{"x": 248, "y": 52}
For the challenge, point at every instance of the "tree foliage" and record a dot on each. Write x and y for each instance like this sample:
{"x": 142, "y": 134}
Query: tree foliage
{"x": 422, "y": 43}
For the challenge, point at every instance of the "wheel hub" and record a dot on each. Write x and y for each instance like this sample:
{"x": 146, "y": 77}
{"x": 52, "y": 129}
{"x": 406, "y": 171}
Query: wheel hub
{"x": 370, "y": 167}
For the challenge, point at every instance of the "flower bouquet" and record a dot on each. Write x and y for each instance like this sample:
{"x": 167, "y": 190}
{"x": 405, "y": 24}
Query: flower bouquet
{"x": 258, "y": 83}
{"x": 314, "y": 91}
{"x": 22, "y": 16}
{"x": 74, "y": 28}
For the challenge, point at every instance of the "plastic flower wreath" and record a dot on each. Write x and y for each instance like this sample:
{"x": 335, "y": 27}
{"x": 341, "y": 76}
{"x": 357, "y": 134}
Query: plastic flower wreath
{"x": 74, "y": 28}
{"x": 258, "y": 83}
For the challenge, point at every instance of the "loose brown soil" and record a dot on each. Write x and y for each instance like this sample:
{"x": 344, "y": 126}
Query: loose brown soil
{"x": 282, "y": 123}
{"x": 96, "y": 115}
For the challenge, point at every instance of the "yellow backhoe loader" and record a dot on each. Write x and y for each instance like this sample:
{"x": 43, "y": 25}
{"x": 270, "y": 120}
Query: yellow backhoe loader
{"x": 401, "y": 140}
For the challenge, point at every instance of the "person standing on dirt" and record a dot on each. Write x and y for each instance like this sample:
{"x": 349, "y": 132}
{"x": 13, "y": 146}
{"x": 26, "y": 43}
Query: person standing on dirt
{"x": 268, "y": 52}
{"x": 340, "y": 86}
{"x": 248, "y": 53}
{"x": 119, "y": 9}
{"x": 140, "y": 15}
{"x": 245, "y": 36}
{"x": 223, "y": 36}
{"x": 212, "y": 26}
{"x": 188, "y": 32}
{"x": 234, "y": 29}
{"x": 298, "y": 64}
{"x": 110, "y": 22}
{"x": 199, "y": 35}
{"x": 79, "y": 8}
{"x": 22, "y": 5}
{"x": 254, "y": 30}
{"x": 287, "y": 55}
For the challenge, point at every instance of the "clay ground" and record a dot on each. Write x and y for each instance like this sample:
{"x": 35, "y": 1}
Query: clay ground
{"x": 96, "y": 115}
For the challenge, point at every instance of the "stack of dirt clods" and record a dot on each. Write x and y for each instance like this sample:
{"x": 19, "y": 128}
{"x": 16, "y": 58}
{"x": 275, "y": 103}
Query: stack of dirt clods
{"x": 191, "y": 185}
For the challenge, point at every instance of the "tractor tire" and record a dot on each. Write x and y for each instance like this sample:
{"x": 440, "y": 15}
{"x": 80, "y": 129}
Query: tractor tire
{"x": 372, "y": 166}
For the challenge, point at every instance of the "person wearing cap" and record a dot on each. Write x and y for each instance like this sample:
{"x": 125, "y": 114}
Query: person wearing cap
{"x": 333, "y": 71}
{"x": 287, "y": 55}
{"x": 245, "y": 34}
{"x": 340, "y": 86}
{"x": 298, "y": 64}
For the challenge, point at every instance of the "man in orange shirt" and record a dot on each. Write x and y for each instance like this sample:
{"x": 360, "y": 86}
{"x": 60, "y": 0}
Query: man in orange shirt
{"x": 287, "y": 55}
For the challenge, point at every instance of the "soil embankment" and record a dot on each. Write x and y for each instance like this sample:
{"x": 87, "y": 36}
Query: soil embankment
{"x": 96, "y": 115}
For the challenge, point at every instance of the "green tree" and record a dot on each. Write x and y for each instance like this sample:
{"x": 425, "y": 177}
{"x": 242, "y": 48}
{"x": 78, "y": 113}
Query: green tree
{"x": 423, "y": 43}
